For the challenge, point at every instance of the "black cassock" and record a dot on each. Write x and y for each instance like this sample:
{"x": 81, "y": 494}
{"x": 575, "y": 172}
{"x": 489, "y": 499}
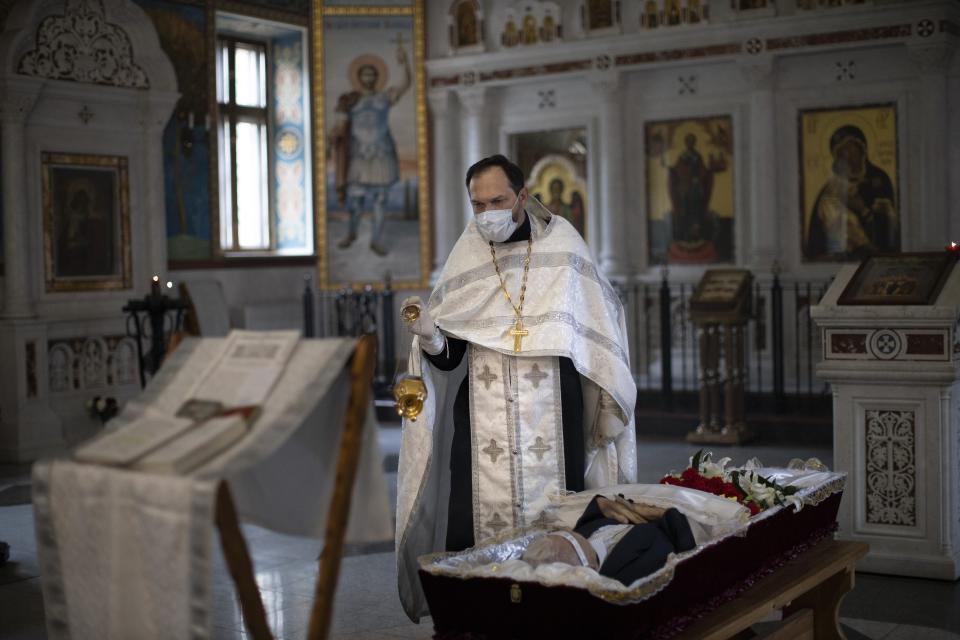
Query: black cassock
{"x": 644, "y": 548}
{"x": 460, "y": 514}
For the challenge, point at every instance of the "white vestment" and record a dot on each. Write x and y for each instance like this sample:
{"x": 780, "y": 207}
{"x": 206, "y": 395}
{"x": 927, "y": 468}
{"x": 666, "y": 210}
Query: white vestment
{"x": 570, "y": 311}
{"x": 516, "y": 431}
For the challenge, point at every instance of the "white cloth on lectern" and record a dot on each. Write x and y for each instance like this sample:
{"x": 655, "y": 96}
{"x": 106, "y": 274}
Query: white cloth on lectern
{"x": 125, "y": 554}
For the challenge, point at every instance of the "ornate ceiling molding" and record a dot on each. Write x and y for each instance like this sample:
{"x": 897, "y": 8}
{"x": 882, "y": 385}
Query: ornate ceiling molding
{"x": 82, "y": 46}
{"x": 788, "y": 35}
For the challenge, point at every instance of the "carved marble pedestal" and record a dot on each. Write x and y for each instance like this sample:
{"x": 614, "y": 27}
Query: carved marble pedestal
{"x": 896, "y": 404}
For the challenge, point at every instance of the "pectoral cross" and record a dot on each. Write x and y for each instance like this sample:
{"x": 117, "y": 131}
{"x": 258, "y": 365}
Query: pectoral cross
{"x": 518, "y": 333}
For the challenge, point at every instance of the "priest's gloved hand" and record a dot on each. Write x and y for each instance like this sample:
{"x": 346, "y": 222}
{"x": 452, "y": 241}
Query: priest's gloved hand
{"x": 610, "y": 421}
{"x": 419, "y": 322}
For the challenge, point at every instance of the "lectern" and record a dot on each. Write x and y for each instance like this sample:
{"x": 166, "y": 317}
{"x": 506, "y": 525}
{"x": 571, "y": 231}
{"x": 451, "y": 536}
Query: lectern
{"x": 888, "y": 329}
{"x": 125, "y": 551}
{"x": 720, "y": 307}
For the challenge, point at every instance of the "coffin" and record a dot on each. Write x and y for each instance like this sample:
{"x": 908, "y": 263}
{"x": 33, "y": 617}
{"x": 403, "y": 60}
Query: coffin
{"x": 487, "y": 591}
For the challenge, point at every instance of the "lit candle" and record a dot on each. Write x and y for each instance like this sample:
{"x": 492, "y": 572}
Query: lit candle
{"x": 953, "y": 247}
{"x": 156, "y": 278}
{"x": 169, "y": 285}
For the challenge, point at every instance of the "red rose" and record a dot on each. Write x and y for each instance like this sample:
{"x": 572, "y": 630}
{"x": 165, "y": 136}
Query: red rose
{"x": 729, "y": 489}
{"x": 689, "y": 474}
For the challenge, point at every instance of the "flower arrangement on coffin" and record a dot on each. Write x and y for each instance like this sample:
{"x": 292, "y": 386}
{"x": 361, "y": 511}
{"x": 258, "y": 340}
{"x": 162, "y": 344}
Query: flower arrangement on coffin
{"x": 744, "y": 485}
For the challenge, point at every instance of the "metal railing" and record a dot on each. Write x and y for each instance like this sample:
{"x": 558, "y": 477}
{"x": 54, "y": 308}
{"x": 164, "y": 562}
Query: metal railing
{"x": 350, "y": 312}
{"x": 781, "y": 339}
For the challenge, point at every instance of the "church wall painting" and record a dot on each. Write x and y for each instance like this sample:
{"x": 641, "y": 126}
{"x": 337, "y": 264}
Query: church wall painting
{"x": 690, "y": 190}
{"x": 849, "y": 186}
{"x": 465, "y": 26}
{"x": 554, "y": 162}
{"x": 184, "y": 35}
{"x": 292, "y": 200}
{"x": 370, "y": 121}
{"x": 86, "y": 222}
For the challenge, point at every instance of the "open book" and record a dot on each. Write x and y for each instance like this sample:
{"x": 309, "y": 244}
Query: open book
{"x": 200, "y": 443}
{"x": 216, "y": 412}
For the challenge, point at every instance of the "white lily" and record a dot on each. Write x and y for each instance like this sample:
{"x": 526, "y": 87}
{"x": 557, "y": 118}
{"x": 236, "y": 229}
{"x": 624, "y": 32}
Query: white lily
{"x": 795, "y": 500}
{"x": 716, "y": 469}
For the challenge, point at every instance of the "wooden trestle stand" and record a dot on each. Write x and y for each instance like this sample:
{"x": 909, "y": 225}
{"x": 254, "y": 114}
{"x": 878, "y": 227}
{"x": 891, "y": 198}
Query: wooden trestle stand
{"x": 808, "y": 590}
{"x": 720, "y": 307}
{"x": 235, "y": 548}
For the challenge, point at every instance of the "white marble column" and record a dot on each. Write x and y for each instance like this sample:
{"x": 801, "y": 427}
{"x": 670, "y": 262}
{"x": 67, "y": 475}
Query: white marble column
{"x": 932, "y": 61}
{"x": 953, "y": 160}
{"x": 476, "y": 139}
{"x": 763, "y": 221}
{"x": 18, "y": 97}
{"x": 609, "y": 225}
{"x": 157, "y": 111}
{"x": 447, "y": 183}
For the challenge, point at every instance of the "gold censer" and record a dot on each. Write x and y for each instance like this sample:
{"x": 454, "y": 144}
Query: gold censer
{"x": 409, "y": 394}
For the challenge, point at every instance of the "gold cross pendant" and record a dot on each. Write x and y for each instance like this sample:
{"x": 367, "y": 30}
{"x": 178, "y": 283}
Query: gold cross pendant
{"x": 518, "y": 333}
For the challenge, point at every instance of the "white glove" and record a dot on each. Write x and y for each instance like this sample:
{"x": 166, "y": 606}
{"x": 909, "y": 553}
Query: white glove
{"x": 431, "y": 339}
{"x": 610, "y": 421}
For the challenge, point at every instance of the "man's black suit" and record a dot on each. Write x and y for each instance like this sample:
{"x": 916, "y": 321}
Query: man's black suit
{"x": 644, "y": 548}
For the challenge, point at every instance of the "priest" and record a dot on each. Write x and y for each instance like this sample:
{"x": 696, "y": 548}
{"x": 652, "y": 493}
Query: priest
{"x": 522, "y": 348}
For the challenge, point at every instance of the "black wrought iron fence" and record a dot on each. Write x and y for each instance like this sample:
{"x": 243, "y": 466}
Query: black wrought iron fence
{"x": 352, "y": 312}
{"x": 781, "y": 340}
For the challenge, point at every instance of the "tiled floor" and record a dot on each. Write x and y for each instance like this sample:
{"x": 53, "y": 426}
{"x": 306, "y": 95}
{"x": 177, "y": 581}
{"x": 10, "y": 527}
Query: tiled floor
{"x": 880, "y": 607}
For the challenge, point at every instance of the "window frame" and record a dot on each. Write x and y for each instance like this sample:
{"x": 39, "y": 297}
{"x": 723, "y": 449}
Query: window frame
{"x": 234, "y": 113}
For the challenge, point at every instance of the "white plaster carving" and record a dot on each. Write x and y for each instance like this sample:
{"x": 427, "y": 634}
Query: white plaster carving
{"x": 845, "y": 70}
{"x": 90, "y": 363}
{"x": 93, "y": 363}
{"x": 926, "y": 28}
{"x": 891, "y": 468}
{"x": 124, "y": 361}
{"x": 548, "y": 98}
{"x": 82, "y": 46}
{"x": 61, "y": 368}
{"x": 687, "y": 84}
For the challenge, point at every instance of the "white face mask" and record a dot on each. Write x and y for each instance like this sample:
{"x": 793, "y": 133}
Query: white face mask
{"x": 496, "y": 225}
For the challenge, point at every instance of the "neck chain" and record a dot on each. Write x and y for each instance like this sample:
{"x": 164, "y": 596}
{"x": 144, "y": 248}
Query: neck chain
{"x": 518, "y": 332}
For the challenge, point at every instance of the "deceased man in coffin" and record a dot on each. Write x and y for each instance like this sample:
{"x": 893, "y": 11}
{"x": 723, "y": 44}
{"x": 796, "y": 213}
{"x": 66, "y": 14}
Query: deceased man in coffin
{"x": 620, "y": 538}
{"x": 602, "y": 541}
{"x": 637, "y": 561}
